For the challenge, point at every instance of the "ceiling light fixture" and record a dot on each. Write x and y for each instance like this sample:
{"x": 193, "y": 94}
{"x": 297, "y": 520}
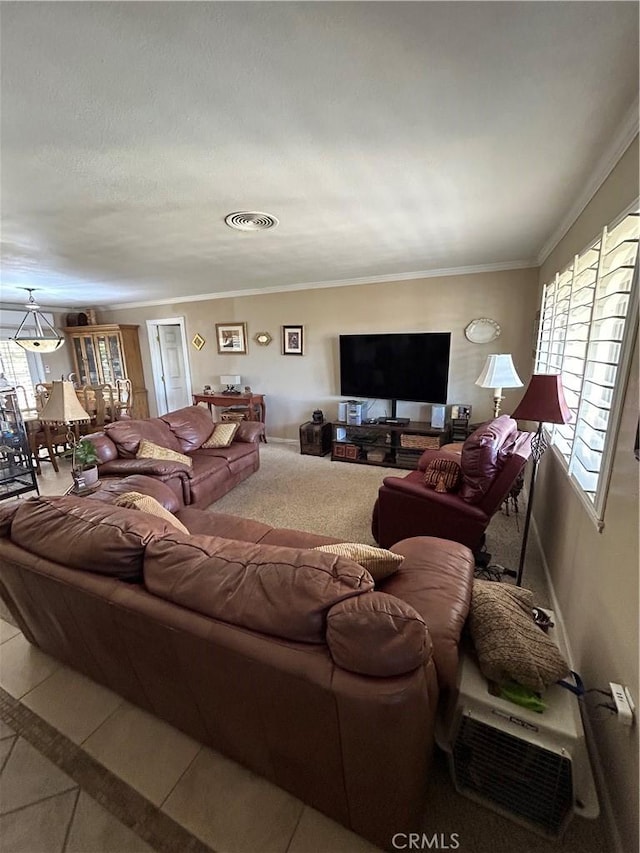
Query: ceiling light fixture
{"x": 251, "y": 220}
{"x": 39, "y": 335}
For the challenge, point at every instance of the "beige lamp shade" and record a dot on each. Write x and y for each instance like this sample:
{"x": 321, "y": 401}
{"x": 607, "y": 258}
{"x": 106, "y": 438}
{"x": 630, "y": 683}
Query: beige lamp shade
{"x": 63, "y": 406}
{"x": 498, "y": 373}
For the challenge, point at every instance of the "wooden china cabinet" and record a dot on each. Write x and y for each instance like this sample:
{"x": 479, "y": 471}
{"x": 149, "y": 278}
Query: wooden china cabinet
{"x": 107, "y": 352}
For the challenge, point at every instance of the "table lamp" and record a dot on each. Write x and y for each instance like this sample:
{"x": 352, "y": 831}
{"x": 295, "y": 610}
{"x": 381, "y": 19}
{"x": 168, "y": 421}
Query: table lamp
{"x": 63, "y": 407}
{"x": 544, "y": 402}
{"x": 498, "y": 373}
{"x": 230, "y": 380}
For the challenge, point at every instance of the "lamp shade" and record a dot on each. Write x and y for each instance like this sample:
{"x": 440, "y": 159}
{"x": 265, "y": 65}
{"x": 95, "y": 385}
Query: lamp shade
{"x": 229, "y": 379}
{"x": 35, "y": 333}
{"x": 63, "y": 406}
{"x": 499, "y": 372}
{"x": 544, "y": 401}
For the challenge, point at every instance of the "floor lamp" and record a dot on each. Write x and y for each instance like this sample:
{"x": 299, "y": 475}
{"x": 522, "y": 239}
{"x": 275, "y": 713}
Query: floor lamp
{"x": 544, "y": 402}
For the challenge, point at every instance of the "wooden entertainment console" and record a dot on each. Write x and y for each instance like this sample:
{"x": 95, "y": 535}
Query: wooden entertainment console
{"x": 391, "y": 445}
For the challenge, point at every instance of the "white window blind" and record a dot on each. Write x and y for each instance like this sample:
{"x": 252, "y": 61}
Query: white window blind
{"x": 587, "y": 320}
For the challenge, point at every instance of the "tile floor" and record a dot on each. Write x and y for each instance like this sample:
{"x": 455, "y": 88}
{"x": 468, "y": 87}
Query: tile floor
{"x": 43, "y": 810}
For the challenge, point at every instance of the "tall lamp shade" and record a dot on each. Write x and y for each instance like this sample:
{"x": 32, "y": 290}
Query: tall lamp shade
{"x": 498, "y": 373}
{"x": 63, "y": 406}
{"x": 544, "y": 402}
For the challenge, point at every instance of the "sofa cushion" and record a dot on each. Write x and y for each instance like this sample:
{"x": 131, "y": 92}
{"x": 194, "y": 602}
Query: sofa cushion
{"x": 280, "y": 591}
{"x": 443, "y": 475}
{"x": 379, "y": 562}
{"x": 150, "y": 450}
{"x": 509, "y": 644}
{"x": 127, "y": 435}
{"x": 481, "y": 457}
{"x": 222, "y": 435}
{"x": 107, "y": 540}
{"x": 377, "y": 634}
{"x": 191, "y": 426}
{"x": 145, "y": 503}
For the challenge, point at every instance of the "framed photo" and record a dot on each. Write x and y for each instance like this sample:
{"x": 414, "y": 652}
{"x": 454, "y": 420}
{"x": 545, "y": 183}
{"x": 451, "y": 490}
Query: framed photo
{"x": 292, "y": 340}
{"x": 231, "y": 338}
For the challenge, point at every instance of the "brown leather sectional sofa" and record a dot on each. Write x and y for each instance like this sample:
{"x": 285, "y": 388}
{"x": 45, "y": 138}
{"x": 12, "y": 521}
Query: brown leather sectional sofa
{"x": 286, "y": 659}
{"x": 213, "y": 472}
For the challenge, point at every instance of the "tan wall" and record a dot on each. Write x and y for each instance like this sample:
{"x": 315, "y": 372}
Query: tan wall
{"x": 295, "y": 386}
{"x": 595, "y": 575}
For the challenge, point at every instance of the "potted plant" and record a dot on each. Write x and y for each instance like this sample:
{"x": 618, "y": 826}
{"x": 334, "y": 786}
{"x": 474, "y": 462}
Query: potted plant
{"x": 84, "y": 470}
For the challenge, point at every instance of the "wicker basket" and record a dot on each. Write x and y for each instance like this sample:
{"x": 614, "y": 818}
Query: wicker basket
{"x": 420, "y": 442}
{"x": 232, "y": 417}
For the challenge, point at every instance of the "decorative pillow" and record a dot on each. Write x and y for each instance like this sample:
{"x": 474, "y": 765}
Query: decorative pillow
{"x": 145, "y": 503}
{"x": 149, "y": 450}
{"x": 509, "y": 644}
{"x": 222, "y": 435}
{"x": 443, "y": 475}
{"x": 379, "y": 562}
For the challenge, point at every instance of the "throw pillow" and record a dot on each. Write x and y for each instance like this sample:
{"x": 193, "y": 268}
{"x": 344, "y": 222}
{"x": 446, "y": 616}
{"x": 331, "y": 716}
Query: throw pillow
{"x": 145, "y": 503}
{"x": 379, "y": 562}
{"x": 443, "y": 475}
{"x": 149, "y": 450}
{"x": 222, "y": 435}
{"x": 509, "y": 644}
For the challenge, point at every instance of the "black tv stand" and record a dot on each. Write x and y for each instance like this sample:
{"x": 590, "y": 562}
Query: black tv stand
{"x": 394, "y": 445}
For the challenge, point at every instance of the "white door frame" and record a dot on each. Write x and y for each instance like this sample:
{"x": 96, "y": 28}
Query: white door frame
{"x": 156, "y": 362}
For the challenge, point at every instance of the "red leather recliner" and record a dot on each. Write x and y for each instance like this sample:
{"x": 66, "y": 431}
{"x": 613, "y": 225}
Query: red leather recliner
{"x": 492, "y": 459}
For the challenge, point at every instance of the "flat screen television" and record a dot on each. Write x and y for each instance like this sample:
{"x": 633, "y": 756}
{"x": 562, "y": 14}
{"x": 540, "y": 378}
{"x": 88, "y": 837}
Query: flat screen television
{"x": 412, "y": 366}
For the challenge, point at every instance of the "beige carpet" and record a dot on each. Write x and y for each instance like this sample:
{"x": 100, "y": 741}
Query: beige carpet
{"x": 336, "y": 499}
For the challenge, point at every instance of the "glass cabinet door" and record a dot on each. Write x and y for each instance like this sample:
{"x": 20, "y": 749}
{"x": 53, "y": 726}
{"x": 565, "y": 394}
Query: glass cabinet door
{"x": 103, "y": 357}
{"x": 115, "y": 357}
{"x": 89, "y": 372}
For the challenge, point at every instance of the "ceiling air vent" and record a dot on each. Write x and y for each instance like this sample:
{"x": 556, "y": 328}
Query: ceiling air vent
{"x": 251, "y": 220}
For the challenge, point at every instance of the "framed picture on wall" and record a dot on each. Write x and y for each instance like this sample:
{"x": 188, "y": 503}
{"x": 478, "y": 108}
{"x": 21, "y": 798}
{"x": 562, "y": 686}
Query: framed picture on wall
{"x": 231, "y": 338}
{"x": 292, "y": 340}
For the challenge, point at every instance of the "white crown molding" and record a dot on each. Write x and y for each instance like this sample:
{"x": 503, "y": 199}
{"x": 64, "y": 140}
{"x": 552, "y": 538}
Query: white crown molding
{"x": 627, "y": 132}
{"x": 315, "y": 285}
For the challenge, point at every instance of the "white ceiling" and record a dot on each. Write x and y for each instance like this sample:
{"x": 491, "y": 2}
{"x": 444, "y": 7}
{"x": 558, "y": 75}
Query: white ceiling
{"x": 389, "y": 138}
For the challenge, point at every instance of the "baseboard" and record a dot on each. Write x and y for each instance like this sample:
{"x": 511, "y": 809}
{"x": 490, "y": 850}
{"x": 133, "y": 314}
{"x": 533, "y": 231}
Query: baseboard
{"x": 594, "y": 753}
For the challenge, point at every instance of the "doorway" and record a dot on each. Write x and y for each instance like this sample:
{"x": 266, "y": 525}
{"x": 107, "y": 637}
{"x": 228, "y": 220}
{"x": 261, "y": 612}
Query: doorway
{"x": 170, "y": 363}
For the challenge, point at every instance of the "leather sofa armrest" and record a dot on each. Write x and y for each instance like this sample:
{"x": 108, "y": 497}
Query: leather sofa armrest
{"x": 151, "y": 467}
{"x": 418, "y": 490}
{"x": 249, "y": 431}
{"x": 152, "y": 486}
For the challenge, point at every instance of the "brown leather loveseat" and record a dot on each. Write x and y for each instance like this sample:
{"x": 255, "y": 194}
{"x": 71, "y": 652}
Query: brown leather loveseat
{"x": 213, "y": 471}
{"x": 287, "y": 660}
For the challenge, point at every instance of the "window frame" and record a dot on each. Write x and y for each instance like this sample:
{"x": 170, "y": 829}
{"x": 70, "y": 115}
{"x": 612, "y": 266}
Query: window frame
{"x": 596, "y": 508}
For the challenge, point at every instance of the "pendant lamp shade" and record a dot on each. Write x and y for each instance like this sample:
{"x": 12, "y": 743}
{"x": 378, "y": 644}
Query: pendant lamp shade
{"x": 35, "y": 333}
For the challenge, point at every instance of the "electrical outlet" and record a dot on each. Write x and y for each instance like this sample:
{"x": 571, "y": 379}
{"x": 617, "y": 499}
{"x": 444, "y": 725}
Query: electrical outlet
{"x": 623, "y": 702}
{"x": 47, "y": 368}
